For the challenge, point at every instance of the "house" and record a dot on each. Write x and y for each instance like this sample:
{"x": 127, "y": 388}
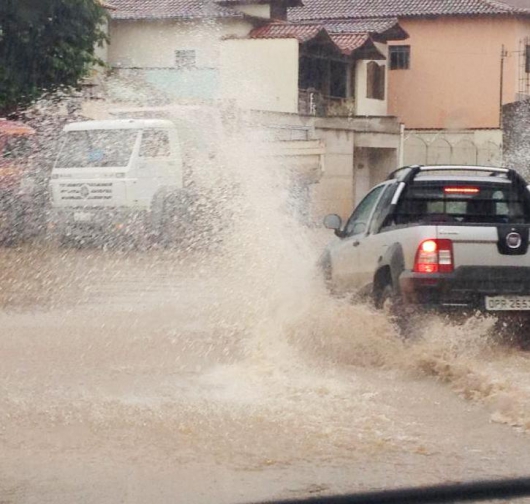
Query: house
{"x": 448, "y": 81}
{"x": 321, "y": 87}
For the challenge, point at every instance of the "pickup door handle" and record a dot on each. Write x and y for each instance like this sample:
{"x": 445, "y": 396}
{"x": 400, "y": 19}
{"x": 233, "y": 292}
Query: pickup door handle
{"x": 356, "y": 243}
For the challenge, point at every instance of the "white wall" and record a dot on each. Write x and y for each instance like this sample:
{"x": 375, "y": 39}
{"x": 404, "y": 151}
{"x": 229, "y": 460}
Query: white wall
{"x": 260, "y": 74}
{"x": 367, "y": 106}
{"x": 152, "y": 44}
{"x": 467, "y": 147}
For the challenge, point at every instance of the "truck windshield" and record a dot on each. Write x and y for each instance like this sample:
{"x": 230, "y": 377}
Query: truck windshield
{"x": 96, "y": 148}
{"x": 480, "y": 203}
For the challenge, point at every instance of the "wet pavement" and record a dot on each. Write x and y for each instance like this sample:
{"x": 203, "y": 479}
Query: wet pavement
{"x": 157, "y": 376}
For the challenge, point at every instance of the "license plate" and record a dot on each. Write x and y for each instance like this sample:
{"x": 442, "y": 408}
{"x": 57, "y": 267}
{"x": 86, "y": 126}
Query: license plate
{"x": 507, "y": 303}
{"x": 83, "y": 216}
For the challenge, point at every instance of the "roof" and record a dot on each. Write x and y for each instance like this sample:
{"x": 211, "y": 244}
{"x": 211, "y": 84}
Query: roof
{"x": 358, "y": 9}
{"x": 15, "y": 128}
{"x": 519, "y": 3}
{"x": 347, "y": 36}
{"x": 289, "y": 3}
{"x": 170, "y": 9}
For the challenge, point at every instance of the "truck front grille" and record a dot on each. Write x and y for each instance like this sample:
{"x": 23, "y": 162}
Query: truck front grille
{"x": 83, "y": 191}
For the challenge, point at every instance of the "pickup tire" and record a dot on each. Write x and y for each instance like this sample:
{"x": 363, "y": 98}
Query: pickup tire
{"x": 390, "y": 302}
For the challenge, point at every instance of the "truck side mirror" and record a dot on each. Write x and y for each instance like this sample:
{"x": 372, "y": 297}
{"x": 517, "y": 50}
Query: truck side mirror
{"x": 333, "y": 221}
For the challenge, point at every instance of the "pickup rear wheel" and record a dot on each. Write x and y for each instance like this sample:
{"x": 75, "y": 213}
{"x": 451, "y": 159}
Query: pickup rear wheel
{"x": 391, "y": 303}
{"x": 388, "y": 300}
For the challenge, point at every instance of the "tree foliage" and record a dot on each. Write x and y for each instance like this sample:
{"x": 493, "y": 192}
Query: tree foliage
{"x": 44, "y": 45}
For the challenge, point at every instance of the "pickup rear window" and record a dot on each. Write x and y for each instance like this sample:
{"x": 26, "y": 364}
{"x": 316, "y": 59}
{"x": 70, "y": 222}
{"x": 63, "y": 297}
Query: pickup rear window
{"x": 479, "y": 203}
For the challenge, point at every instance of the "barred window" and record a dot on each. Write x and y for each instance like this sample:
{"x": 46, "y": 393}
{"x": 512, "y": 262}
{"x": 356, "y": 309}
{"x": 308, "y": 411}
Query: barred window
{"x": 185, "y": 58}
{"x": 399, "y": 57}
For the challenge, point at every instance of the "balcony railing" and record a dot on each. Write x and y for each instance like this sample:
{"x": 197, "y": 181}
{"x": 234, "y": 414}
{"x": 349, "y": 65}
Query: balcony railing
{"x": 314, "y": 103}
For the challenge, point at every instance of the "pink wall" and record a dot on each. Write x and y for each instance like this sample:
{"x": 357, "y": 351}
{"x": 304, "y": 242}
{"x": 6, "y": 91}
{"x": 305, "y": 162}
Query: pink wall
{"x": 454, "y": 78}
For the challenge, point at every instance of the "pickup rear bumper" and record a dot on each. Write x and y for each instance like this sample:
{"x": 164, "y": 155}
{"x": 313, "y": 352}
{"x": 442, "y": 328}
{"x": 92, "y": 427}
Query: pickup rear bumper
{"x": 466, "y": 287}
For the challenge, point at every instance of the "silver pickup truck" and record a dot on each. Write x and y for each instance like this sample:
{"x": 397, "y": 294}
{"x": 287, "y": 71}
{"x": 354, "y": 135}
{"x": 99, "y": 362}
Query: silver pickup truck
{"x": 441, "y": 236}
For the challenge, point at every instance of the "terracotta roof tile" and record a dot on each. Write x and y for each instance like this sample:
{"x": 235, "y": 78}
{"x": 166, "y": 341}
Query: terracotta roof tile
{"x": 290, "y": 3}
{"x": 349, "y": 42}
{"x": 170, "y": 9}
{"x": 343, "y": 9}
{"x": 361, "y": 25}
{"x": 345, "y": 42}
{"x": 302, "y": 33}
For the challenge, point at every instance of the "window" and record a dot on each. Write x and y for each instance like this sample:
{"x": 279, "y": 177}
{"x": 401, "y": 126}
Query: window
{"x": 527, "y": 58}
{"x": 399, "y": 57}
{"x": 185, "y": 58}
{"x": 97, "y": 148}
{"x": 492, "y": 203}
{"x": 375, "y": 81}
{"x": 155, "y": 143}
{"x": 359, "y": 220}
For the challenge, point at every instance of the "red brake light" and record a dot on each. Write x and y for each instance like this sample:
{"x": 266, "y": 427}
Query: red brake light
{"x": 461, "y": 190}
{"x": 429, "y": 246}
{"x": 434, "y": 256}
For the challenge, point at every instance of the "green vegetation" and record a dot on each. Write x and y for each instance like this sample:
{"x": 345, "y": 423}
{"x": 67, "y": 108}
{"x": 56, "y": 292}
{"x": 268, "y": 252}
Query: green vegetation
{"x": 46, "y": 45}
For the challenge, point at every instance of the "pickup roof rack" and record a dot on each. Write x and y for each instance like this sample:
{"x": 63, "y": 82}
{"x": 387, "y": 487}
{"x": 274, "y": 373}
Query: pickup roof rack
{"x": 408, "y": 173}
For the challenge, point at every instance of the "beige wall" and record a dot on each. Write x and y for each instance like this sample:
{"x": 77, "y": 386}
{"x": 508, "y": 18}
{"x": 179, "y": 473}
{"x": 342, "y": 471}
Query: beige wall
{"x": 261, "y": 74}
{"x": 454, "y": 78}
{"x": 152, "y": 44}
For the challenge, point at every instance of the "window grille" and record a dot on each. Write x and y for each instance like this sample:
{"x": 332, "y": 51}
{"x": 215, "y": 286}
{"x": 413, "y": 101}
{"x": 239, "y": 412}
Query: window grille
{"x": 399, "y": 57}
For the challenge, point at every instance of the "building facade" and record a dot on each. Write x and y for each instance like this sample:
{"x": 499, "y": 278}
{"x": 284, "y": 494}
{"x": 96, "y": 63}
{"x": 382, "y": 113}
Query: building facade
{"x": 328, "y": 80}
{"x": 448, "y": 81}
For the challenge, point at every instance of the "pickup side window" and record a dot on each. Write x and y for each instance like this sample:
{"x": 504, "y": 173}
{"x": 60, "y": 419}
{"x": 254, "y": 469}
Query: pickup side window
{"x": 358, "y": 222}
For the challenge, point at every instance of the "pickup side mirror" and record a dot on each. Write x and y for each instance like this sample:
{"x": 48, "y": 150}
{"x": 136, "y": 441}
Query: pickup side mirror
{"x": 333, "y": 221}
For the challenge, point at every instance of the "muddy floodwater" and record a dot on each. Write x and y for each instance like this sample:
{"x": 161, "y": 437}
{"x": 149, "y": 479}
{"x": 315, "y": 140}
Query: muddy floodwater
{"x": 163, "y": 377}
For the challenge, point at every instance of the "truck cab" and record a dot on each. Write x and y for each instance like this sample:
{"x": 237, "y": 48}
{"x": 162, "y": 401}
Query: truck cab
{"x": 115, "y": 176}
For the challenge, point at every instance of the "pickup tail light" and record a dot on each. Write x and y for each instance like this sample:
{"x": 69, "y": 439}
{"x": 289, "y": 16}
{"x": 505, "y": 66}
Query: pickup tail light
{"x": 434, "y": 256}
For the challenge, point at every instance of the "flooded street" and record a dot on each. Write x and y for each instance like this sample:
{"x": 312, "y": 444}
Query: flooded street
{"x": 152, "y": 376}
{"x": 188, "y": 189}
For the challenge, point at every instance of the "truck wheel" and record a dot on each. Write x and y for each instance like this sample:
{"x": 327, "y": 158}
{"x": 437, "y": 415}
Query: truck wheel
{"x": 175, "y": 222}
{"x": 390, "y": 302}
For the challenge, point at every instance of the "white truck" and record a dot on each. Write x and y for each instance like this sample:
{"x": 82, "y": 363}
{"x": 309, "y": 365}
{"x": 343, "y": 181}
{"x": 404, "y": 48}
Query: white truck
{"x": 449, "y": 237}
{"x": 123, "y": 176}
